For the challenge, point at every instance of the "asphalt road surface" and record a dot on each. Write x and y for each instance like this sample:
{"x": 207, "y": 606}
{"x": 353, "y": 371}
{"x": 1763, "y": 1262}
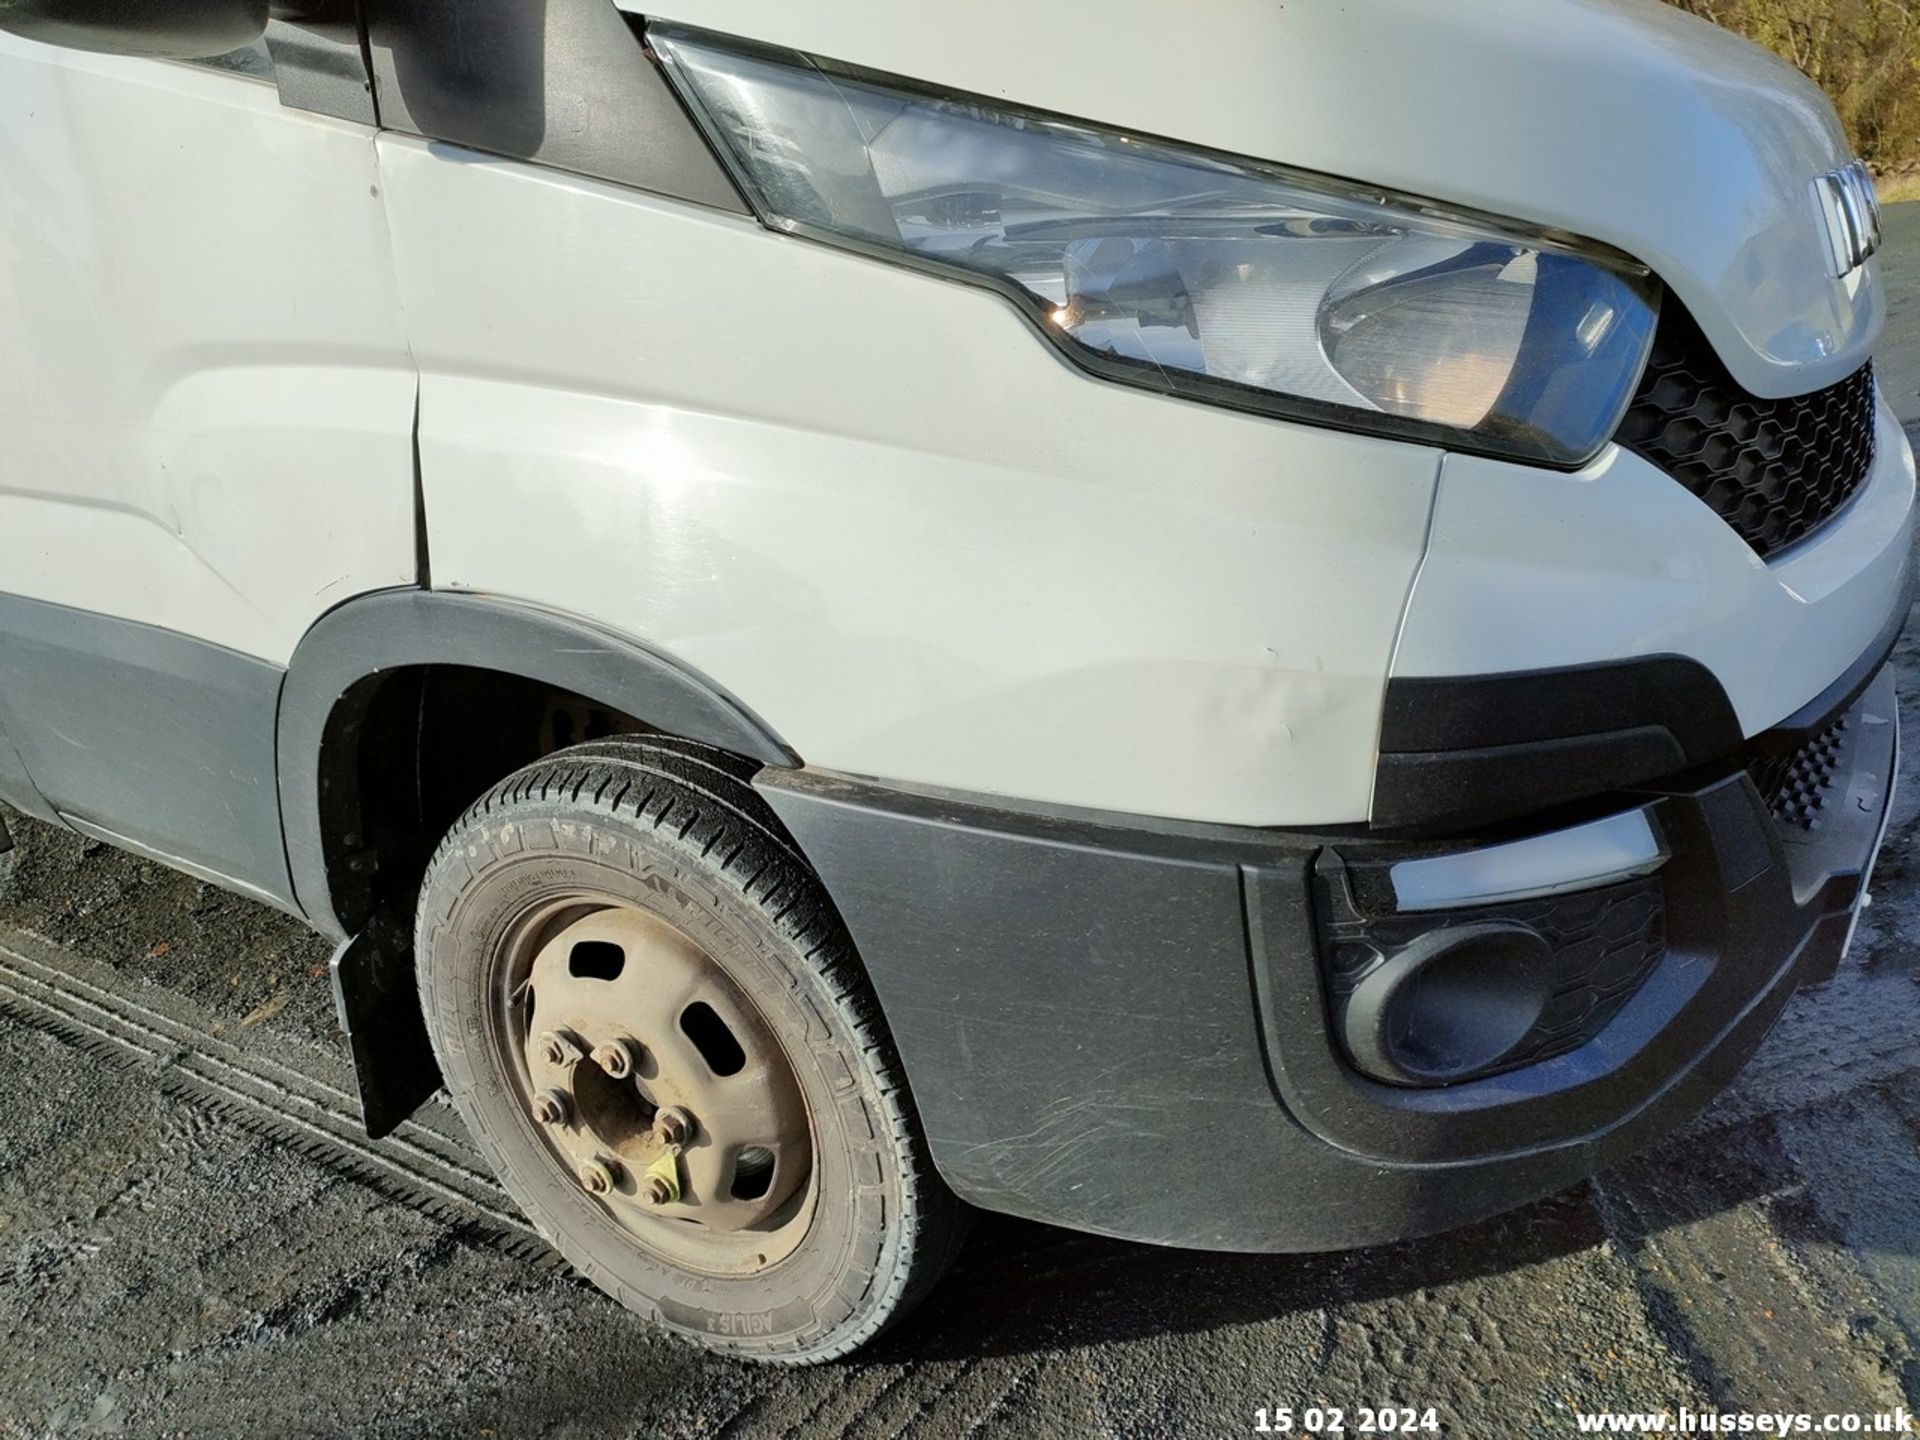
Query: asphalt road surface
{"x": 194, "y": 1238}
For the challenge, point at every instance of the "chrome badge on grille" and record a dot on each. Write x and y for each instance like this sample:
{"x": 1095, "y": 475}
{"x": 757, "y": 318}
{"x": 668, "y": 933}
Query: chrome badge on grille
{"x": 1851, "y": 209}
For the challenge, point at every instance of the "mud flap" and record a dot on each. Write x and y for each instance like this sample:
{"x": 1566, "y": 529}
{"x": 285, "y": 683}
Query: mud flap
{"x": 378, "y": 1005}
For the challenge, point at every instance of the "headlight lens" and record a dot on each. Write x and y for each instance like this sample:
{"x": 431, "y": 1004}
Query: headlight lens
{"x": 1191, "y": 273}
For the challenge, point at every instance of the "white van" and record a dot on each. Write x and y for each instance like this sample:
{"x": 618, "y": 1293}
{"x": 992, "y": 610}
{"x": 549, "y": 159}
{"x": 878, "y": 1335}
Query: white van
{"x": 1264, "y": 633}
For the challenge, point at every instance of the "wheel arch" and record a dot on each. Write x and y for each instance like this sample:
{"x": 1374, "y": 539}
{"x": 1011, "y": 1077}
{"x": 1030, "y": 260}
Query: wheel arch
{"x": 345, "y": 660}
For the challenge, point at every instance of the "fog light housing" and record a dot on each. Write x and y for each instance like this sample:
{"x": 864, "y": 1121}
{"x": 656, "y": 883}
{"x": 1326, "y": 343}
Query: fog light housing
{"x": 1455, "y": 1003}
{"x": 1448, "y": 965}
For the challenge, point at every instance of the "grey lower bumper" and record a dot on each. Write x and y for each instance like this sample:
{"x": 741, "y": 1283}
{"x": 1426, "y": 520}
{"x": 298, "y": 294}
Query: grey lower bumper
{"x": 1124, "y": 1028}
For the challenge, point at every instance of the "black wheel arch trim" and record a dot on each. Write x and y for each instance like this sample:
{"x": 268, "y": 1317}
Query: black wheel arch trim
{"x": 396, "y": 629}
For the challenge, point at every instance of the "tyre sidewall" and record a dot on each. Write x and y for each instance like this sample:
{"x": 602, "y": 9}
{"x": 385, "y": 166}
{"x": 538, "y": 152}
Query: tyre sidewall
{"x": 498, "y": 871}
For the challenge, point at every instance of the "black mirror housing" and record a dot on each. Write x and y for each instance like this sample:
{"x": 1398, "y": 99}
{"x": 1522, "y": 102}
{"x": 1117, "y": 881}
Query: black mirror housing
{"x": 168, "y": 29}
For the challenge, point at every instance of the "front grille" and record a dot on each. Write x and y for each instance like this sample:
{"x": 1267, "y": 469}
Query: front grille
{"x": 1775, "y": 470}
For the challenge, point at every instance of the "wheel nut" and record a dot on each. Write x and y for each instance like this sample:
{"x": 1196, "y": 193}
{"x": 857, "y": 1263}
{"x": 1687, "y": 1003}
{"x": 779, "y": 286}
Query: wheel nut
{"x": 559, "y": 1047}
{"x": 658, "y": 1192}
{"x": 596, "y": 1177}
{"x": 672, "y": 1126}
{"x": 616, "y": 1057}
{"x": 551, "y": 1107}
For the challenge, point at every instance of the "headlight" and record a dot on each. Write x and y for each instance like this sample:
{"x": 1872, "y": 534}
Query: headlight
{"x": 1192, "y": 273}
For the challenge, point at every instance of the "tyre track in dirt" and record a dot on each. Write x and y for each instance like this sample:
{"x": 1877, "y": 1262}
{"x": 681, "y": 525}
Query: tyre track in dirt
{"x": 294, "y": 1098}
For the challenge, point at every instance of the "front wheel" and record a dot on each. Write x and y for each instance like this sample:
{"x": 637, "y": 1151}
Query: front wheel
{"x": 652, "y": 1020}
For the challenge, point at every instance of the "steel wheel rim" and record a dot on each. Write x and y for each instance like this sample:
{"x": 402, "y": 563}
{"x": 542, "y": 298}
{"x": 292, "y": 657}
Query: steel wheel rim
{"x": 605, "y": 1054}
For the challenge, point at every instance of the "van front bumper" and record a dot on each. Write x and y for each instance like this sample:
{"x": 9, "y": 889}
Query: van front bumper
{"x": 1130, "y": 1028}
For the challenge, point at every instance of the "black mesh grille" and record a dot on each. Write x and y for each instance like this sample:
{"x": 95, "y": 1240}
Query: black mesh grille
{"x": 1797, "y": 786}
{"x": 1775, "y": 470}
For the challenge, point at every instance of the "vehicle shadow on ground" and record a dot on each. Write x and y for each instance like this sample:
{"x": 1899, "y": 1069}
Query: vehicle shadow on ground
{"x": 1022, "y": 1288}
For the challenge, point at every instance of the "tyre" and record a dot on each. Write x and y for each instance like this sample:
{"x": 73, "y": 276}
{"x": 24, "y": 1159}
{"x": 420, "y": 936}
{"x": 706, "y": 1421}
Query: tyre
{"x": 653, "y": 1022}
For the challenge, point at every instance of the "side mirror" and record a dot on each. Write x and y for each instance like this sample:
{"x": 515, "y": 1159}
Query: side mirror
{"x": 170, "y": 29}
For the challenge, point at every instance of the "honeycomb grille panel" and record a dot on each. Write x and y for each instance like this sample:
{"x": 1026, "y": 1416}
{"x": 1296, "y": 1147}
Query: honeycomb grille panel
{"x": 1797, "y": 786}
{"x": 1775, "y": 470}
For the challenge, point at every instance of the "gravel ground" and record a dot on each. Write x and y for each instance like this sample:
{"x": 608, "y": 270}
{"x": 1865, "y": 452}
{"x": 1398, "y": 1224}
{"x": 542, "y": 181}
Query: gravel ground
{"x": 175, "y": 1261}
